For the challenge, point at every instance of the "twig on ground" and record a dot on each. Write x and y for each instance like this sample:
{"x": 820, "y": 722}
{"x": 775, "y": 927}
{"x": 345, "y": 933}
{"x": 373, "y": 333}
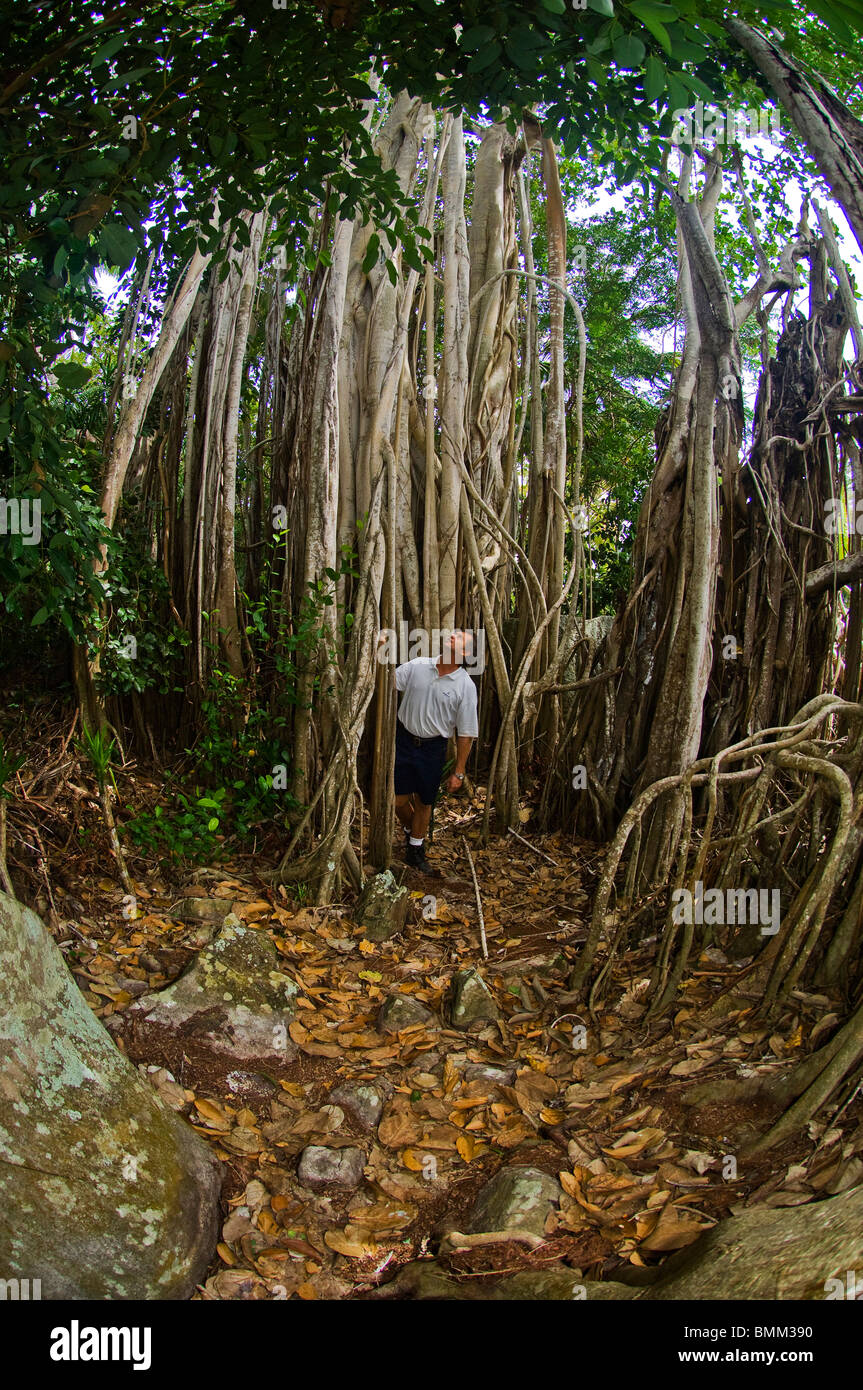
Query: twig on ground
{"x": 478, "y": 899}
{"x": 457, "y": 1240}
{"x": 541, "y": 852}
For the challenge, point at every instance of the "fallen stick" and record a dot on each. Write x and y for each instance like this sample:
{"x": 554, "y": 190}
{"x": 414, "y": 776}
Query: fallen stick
{"x": 533, "y": 847}
{"x": 457, "y": 1240}
{"x": 478, "y": 899}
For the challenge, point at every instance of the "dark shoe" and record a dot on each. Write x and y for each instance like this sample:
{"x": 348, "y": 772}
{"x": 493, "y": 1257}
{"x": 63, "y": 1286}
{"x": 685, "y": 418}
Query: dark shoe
{"x": 415, "y": 856}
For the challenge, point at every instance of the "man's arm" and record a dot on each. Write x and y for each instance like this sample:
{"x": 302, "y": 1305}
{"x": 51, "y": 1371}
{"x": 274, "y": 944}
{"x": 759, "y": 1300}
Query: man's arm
{"x": 455, "y": 780}
{"x": 466, "y": 719}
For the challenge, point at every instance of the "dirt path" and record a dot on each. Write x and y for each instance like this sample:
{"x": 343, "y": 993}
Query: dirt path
{"x": 604, "y": 1105}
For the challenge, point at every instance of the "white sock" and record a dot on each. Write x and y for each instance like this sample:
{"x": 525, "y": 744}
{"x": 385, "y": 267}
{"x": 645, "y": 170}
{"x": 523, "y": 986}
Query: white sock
{"x": 416, "y": 842}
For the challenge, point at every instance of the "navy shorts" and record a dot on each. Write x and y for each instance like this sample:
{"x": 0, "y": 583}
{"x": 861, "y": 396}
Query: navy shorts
{"x": 418, "y": 769}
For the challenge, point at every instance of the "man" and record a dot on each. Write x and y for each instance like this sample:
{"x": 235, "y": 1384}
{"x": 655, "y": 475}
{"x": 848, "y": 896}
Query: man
{"x": 438, "y": 700}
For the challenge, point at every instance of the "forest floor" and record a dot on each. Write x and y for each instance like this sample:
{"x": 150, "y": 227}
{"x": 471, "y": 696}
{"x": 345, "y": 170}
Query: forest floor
{"x": 632, "y": 1117}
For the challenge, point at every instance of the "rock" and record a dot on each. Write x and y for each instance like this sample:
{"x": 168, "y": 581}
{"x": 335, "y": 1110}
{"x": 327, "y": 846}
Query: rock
{"x": 495, "y": 1076}
{"x": 321, "y": 1168}
{"x": 426, "y": 1280}
{"x": 470, "y": 1000}
{"x": 382, "y": 907}
{"x": 251, "y": 1083}
{"x": 769, "y": 1253}
{"x": 764, "y": 1254}
{"x": 402, "y": 1011}
{"x": 516, "y": 1199}
{"x": 133, "y": 987}
{"x": 361, "y": 1101}
{"x": 232, "y": 996}
{"x": 105, "y": 1193}
{"x": 204, "y": 909}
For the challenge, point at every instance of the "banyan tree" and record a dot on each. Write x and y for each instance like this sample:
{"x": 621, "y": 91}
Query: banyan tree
{"x": 331, "y": 433}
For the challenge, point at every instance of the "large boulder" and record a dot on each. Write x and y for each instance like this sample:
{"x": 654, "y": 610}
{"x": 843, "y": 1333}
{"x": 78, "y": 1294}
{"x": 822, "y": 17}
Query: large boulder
{"x": 232, "y": 996}
{"x": 104, "y": 1192}
{"x": 770, "y": 1253}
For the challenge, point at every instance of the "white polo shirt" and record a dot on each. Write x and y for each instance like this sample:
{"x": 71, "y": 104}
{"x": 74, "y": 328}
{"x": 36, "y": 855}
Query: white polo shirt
{"x": 436, "y": 705}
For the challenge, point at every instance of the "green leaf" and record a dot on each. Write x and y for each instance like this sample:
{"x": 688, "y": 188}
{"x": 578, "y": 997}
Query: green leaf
{"x": 684, "y": 52}
{"x": 39, "y": 618}
{"x": 652, "y": 9}
{"x": 117, "y": 83}
{"x": 853, "y": 13}
{"x": 71, "y": 375}
{"x": 679, "y": 98}
{"x": 601, "y": 7}
{"x": 370, "y": 259}
{"x": 654, "y": 79}
{"x": 628, "y": 51}
{"x": 659, "y": 32}
{"x": 107, "y": 50}
{"x": 485, "y": 56}
{"x": 831, "y": 16}
{"x": 118, "y": 244}
{"x": 695, "y": 85}
{"x": 475, "y": 38}
{"x": 556, "y": 6}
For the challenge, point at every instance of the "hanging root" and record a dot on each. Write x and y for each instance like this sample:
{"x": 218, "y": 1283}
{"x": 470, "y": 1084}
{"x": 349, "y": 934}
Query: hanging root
{"x": 763, "y": 764}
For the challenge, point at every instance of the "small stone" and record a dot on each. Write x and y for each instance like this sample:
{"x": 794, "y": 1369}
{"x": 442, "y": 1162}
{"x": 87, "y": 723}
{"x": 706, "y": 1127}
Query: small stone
{"x": 250, "y": 1083}
{"x": 495, "y": 1076}
{"x": 401, "y": 1011}
{"x": 471, "y": 1001}
{"x": 204, "y": 909}
{"x": 382, "y": 907}
{"x": 321, "y": 1168}
{"x": 516, "y": 1199}
{"x": 133, "y": 987}
{"x": 362, "y": 1102}
{"x": 201, "y": 936}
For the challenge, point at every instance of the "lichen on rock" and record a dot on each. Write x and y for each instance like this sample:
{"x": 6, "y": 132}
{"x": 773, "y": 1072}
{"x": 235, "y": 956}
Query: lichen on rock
{"x": 104, "y": 1192}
